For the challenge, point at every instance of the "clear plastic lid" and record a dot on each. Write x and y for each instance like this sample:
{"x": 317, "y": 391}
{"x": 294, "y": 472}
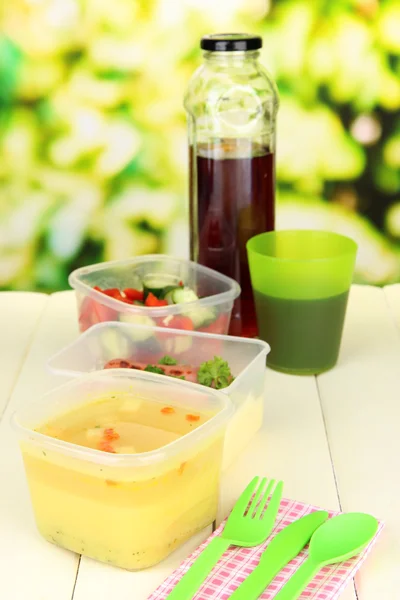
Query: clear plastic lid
{"x": 211, "y": 287}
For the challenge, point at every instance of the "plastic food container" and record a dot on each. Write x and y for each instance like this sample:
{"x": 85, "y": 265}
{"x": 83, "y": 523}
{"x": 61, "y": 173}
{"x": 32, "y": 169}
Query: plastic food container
{"x": 211, "y": 313}
{"x": 246, "y": 357}
{"x": 122, "y": 508}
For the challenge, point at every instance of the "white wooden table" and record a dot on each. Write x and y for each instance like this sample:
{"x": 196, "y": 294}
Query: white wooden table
{"x": 333, "y": 439}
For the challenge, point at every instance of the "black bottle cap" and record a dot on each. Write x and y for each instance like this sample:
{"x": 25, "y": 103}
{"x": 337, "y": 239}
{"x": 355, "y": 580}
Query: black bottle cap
{"x": 230, "y": 42}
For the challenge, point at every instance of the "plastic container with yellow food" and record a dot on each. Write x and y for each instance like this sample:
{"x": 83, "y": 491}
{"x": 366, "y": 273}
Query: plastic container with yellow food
{"x": 130, "y": 507}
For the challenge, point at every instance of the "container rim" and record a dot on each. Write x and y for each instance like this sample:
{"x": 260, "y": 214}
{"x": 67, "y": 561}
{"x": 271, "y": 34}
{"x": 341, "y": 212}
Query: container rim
{"x": 123, "y": 460}
{"x": 350, "y": 250}
{"x": 76, "y": 283}
{"x": 264, "y": 346}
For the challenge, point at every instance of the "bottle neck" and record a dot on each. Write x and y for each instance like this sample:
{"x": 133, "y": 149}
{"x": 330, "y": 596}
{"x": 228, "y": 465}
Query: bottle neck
{"x": 231, "y": 58}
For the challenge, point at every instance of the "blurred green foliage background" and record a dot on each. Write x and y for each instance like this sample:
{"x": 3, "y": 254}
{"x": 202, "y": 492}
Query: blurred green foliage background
{"x": 93, "y": 156}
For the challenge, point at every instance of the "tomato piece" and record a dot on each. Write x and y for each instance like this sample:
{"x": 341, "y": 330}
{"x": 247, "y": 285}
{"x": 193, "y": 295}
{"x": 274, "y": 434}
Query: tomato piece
{"x": 114, "y": 293}
{"x": 104, "y": 313}
{"x": 92, "y": 312}
{"x": 178, "y": 322}
{"x": 153, "y": 301}
{"x": 134, "y": 295}
{"x": 220, "y": 325}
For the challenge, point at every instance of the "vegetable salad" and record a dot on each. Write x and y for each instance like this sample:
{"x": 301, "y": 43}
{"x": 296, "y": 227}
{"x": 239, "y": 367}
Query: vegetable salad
{"x": 155, "y": 291}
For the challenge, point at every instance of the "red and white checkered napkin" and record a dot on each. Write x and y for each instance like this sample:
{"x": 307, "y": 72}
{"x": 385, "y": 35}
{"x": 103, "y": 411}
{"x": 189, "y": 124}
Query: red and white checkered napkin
{"x": 238, "y": 563}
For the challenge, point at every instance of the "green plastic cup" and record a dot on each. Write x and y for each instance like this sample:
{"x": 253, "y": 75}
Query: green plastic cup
{"x": 301, "y": 281}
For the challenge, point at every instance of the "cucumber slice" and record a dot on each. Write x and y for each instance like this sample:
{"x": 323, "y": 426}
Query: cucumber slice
{"x": 201, "y": 316}
{"x": 159, "y": 284}
{"x": 114, "y": 344}
{"x": 169, "y": 296}
{"x": 138, "y": 335}
{"x": 178, "y": 345}
{"x": 181, "y": 295}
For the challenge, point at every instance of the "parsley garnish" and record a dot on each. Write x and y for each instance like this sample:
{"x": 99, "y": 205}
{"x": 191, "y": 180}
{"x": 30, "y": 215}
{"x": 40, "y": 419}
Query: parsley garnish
{"x": 167, "y": 360}
{"x": 215, "y": 373}
{"x": 154, "y": 369}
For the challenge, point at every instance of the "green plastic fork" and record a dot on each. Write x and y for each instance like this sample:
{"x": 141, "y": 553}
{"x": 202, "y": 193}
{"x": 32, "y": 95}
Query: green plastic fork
{"x": 249, "y": 524}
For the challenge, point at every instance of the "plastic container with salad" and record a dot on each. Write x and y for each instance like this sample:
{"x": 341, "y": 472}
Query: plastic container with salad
{"x": 236, "y": 366}
{"x": 155, "y": 290}
{"x": 107, "y": 455}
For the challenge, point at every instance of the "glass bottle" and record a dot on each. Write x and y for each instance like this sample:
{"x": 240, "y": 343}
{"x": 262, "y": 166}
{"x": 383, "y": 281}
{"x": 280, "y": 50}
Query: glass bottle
{"x": 231, "y": 103}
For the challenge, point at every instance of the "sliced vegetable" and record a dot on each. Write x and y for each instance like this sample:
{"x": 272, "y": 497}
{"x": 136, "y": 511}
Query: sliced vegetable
{"x": 215, "y": 373}
{"x": 114, "y": 343}
{"x": 220, "y": 325}
{"x": 138, "y": 335}
{"x": 192, "y": 418}
{"x": 153, "y": 301}
{"x": 167, "y": 410}
{"x": 178, "y": 322}
{"x": 202, "y": 316}
{"x": 92, "y": 312}
{"x": 131, "y": 406}
{"x": 105, "y": 446}
{"x": 181, "y": 295}
{"x": 134, "y": 295}
{"x": 110, "y": 434}
{"x": 178, "y": 345}
{"x": 167, "y": 360}
{"x": 113, "y": 293}
{"x": 159, "y": 284}
{"x": 94, "y": 434}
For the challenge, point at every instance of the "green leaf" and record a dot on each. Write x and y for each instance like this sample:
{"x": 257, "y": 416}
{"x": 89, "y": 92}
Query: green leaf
{"x": 167, "y": 360}
{"x": 154, "y": 369}
{"x": 215, "y": 373}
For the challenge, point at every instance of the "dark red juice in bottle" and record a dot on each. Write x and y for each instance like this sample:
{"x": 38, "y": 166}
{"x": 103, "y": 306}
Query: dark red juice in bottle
{"x": 232, "y": 199}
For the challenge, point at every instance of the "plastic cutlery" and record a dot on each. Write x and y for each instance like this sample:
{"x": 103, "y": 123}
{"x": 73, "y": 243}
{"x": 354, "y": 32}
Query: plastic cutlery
{"x": 249, "y": 524}
{"x": 279, "y": 552}
{"x": 338, "y": 539}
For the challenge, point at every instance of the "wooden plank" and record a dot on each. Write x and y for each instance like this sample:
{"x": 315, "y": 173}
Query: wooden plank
{"x": 19, "y": 315}
{"x": 361, "y": 405}
{"x": 291, "y": 446}
{"x": 102, "y": 582}
{"x": 30, "y": 567}
{"x": 392, "y": 294}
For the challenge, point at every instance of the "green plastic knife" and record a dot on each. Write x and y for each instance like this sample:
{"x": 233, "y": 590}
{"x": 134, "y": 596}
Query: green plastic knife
{"x": 280, "y": 551}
